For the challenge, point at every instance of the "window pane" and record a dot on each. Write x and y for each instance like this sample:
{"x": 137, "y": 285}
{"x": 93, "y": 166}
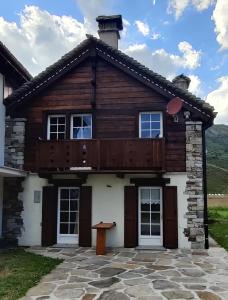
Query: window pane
{"x": 64, "y": 194}
{"x": 73, "y": 228}
{"x": 155, "y": 194}
{"x": 77, "y": 121}
{"x": 155, "y": 229}
{"x": 87, "y": 120}
{"x": 63, "y": 228}
{"x": 155, "y": 206}
{"x": 61, "y": 136}
{"x": 64, "y": 205}
{"x": 155, "y": 133}
{"x": 86, "y": 133}
{"x": 155, "y": 117}
{"x": 61, "y": 120}
{"x": 145, "y": 134}
{"x": 77, "y": 133}
{"x": 73, "y": 217}
{"x": 145, "y": 218}
{"x": 155, "y": 125}
{"x": 64, "y": 217}
{"x": 61, "y": 128}
{"x": 74, "y": 194}
{"x": 145, "y": 125}
{"x": 53, "y": 120}
{"x": 53, "y": 128}
{"x": 145, "y": 117}
{"x": 73, "y": 205}
{"x": 145, "y": 229}
{"x": 53, "y": 136}
{"x": 155, "y": 218}
{"x": 145, "y": 194}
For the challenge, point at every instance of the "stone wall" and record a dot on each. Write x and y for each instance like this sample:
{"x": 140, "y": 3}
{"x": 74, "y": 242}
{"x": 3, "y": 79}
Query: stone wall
{"x": 194, "y": 186}
{"x": 12, "y": 208}
{"x": 14, "y": 142}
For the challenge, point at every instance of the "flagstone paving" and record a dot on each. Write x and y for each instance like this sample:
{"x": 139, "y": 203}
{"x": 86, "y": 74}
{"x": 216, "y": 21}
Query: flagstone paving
{"x": 125, "y": 274}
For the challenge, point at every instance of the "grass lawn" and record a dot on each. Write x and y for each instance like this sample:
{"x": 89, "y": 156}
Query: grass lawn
{"x": 218, "y": 228}
{"x": 20, "y": 270}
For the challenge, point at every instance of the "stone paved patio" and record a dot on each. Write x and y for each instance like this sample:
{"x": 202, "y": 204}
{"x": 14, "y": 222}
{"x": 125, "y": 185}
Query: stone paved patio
{"x": 132, "y": 274}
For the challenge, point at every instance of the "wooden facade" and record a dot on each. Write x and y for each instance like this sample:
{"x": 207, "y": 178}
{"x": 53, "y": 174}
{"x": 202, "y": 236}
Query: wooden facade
{"x": 115, "y": 103}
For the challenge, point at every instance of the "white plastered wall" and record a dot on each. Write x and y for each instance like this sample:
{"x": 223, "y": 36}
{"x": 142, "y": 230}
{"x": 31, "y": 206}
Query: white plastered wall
{"x": 32, "y": 213}
{"x": 179, "y": 180}
{"x": 108, "y": 206}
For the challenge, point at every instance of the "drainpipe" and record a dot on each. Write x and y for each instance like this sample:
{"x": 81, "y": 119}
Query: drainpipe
{"x": 206, "y": 245}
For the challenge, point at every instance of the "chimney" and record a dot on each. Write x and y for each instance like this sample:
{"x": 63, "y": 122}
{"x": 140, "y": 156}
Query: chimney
{"x": 182, "y": 81}
{"x": 109, "y": 27}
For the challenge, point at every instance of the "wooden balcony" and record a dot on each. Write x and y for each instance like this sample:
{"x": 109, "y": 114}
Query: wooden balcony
{"x": 101, "y": 155}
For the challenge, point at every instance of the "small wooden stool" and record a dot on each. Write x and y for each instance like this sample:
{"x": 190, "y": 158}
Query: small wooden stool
{"x": 101, "y": 236}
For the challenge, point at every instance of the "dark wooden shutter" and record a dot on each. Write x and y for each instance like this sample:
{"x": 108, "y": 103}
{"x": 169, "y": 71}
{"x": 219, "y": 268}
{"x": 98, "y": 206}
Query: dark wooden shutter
{"x": 85, "y": 209}
{"x": 49, "y": 215}
{"x": 130, "y": 216}
{"x": 170, "y": 229}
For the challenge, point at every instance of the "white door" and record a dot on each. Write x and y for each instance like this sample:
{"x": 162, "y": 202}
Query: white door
{"x": 150, "y": 216}
{"x": 68, "y": 215}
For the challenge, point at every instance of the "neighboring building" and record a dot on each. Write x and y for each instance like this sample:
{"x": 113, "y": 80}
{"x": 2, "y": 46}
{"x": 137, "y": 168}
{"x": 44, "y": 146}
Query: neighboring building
{"x": 100, "y": 146}
{"x": 12, "y": 76}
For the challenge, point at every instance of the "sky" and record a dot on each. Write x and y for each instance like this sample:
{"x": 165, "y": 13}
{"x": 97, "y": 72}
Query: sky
{"x": 170, "y": 37}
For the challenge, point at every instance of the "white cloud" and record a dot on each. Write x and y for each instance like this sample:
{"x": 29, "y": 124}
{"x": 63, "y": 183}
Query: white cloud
{"x": 219, "y": 99}
{"x": 165, "y": 63}
{"x": 42, "y": 37}
{"x": 177, "y": 7}
{"x": 142, "y": 27}
{"x": 155, "y": 36}
{"x": 195, "y": 85}
{"x": 221, "y": 22}
{"x": 191, "y": 57}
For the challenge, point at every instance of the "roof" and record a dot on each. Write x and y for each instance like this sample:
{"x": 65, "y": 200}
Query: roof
{"x": 9, "y": 63}
{"x": 115, "y": 56}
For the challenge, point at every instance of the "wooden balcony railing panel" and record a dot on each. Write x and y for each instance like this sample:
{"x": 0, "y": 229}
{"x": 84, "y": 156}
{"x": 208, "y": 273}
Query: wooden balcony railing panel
{"x": 102, "y": 154}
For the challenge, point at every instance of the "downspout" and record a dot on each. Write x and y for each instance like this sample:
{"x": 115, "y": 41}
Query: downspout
{"x": 206, "y": 244}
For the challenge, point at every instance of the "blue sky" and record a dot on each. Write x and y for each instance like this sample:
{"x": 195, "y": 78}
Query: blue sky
{"x": 169, "y": 36}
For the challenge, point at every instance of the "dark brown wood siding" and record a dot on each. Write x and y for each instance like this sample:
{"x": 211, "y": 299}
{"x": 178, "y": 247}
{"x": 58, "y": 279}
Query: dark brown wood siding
{"x": 170, "y": 217}
{"x": 49, "y": 215}
{"x": 119, "y": 100}
{"x": 85, "y": 216}
{"x": 130, "y": 216}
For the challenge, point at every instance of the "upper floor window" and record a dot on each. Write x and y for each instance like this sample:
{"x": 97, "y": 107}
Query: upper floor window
{"x": 56, "y": 127}
{"x": 81, "y": 126}
{"x": 150, "y": 125}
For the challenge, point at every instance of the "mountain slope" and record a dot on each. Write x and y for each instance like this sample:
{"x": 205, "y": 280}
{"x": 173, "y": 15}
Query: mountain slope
{"x": 217, "y": 159}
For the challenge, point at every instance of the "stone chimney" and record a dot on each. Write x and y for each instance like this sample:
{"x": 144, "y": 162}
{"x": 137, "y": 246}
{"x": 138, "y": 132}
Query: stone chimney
{"x": 182, "y": 81}
{"x": 109, "y": 27}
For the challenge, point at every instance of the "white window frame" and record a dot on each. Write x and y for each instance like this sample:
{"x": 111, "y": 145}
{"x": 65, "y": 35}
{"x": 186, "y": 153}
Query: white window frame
{"x": 67, "y": 238}
{"x": 150, "y": 240}
{"x": 49, "y": 124}
{"x": 161, "y": 123}
{"x": 71, "y": 126}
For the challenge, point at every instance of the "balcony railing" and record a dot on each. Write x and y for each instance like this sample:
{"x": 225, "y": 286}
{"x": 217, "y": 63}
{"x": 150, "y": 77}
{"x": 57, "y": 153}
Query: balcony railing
{"x": 101, "y": 154}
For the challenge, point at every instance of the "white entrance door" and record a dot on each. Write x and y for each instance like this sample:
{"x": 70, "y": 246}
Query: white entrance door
{"x": 150, "y": 216}
{"x": 68, "y": 215}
